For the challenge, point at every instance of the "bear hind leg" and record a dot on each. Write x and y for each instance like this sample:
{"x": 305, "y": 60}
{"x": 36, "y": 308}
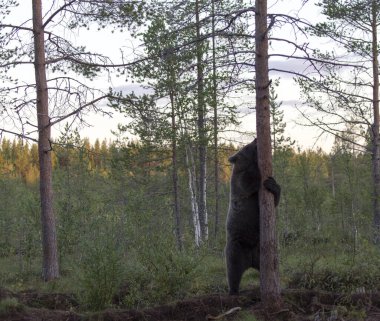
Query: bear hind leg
{"x": 236, "y": 265}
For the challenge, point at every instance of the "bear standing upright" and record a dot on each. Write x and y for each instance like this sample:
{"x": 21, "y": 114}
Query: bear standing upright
{"x": 243, "y": 219}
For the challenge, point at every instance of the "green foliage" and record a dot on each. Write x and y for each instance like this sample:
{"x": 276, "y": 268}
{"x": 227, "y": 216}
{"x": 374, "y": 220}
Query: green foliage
{"x": 10, "y": 305}
{"x": 157, "y": 272}
{"x": 100, "y": 272}
{"x": 115, "y": 228}
{"x": 19, "y": 222}
{"x": 119, "y": 15}
{"x": 341, "y": 95}
{"x": 279, "y": 141}
{"x": 210, "y": 275}
{"x": 323, "y": 269}
{"x": 172, "y": 271}
{"x": 245, "y": 316}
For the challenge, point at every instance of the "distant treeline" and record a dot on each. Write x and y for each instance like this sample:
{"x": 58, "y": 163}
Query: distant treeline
{"x": 322, "y": 193}
{"x": 19, "y": 158}
{"x": 119, "y": 196}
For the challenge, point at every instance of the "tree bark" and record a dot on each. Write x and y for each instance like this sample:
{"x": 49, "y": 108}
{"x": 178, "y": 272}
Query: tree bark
{"x": 332, "y": 177}
{"x": 215, "y": 106}
{"x": 193, "y": 195}
{"x": 50, "y": 268}
{"x": 202, "y": 140}
{"x": 177, "y": 217}
{"x": 375, "y": 127}
{"x": 269, "y": 263}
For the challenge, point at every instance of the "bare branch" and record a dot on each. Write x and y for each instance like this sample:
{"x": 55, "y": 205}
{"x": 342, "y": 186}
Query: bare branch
{"x": 78, "y": 110}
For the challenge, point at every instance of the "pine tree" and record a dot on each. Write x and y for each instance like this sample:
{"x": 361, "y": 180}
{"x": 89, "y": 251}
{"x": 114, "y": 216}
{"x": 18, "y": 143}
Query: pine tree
{"x": 279, "y": 141}
{"x": 343, "y": 97}
{"x": 269, "y": 262}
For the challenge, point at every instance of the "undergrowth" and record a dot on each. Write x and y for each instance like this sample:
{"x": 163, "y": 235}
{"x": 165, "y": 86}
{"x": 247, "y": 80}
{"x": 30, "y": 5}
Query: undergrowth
{"x": 107, "y": 275}
{"x": 324, "y": 269}
{"x": 10, "y": 305}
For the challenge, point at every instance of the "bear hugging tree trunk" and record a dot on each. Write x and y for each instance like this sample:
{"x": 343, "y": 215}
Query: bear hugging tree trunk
{"x": 243, "y": 219}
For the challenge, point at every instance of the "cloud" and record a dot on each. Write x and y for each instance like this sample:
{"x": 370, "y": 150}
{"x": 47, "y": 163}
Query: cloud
{"x": 287, "y": 68}
{"x": 138, "y": 89}
{"x": 291, "y": 102}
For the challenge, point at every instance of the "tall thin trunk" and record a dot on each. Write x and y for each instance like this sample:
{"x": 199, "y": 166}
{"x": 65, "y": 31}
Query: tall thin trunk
{"x": 332, "y": 178}
{"x": 177, "y": 217}
{"x": 274, "y": 127}
{"x": 50, "y": 268}
{"x": 269, "y": 263}
{"x": 215, "y": 105}
{"x": 202, "y": 140}
{"x": 375, "y": 127}
{"x": 193, "y": 195}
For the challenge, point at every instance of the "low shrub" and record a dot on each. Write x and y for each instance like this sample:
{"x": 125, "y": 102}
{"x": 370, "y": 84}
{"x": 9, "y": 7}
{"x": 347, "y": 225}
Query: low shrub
{"x": 341, "y": 275}
{"x": 10, "y": 305}
{"x": 100, "y": 273}
{"x": 159, "y": 274}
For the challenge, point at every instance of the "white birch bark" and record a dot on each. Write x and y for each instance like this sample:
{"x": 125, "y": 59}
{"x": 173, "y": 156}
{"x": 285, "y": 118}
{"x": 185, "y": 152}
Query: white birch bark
{"x": 193, "y": 195}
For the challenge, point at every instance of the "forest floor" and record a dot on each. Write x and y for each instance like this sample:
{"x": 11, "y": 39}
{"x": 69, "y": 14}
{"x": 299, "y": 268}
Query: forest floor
{"x": 299, "y": 305}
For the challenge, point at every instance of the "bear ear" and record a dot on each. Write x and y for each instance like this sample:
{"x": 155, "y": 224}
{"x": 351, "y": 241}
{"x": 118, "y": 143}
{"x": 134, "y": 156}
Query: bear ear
{"x": 232, "y": 159}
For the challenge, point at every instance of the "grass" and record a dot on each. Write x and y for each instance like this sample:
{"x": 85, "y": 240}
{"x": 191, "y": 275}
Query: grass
{"x": 245, "y": 316}
{"x": 206, "y": 276}
{"x": 10, "y": 305}
{"x": 321, "y": 267}
{"x": 15, "y": 276}
{"x": 210, "y": 276}
{"x": 332, "y": 269}
{"x": 15, "y": 279}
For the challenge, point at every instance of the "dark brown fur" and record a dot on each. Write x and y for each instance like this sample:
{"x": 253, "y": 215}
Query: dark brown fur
{"x": 243, "y": 219}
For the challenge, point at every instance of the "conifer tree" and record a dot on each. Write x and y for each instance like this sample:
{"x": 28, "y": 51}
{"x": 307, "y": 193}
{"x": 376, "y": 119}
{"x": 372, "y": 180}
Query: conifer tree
{"x": 50, "y": 53}
{"x": 279, "y": 141}
{"x": 269, "y": 262}
{"x": 344, "y": 92}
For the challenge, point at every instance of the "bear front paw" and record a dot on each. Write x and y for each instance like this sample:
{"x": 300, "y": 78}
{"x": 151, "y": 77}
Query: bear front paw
{"x": 271, "y": 185}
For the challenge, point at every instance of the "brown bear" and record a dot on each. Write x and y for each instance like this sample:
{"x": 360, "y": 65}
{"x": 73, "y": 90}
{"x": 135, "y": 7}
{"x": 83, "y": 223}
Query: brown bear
{"x": 243, "y": 219}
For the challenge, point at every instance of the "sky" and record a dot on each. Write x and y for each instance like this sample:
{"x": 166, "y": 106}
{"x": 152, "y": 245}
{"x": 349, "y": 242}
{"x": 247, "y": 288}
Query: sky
{"x": 101, "y": 41}
{"x": 288, "y": 93}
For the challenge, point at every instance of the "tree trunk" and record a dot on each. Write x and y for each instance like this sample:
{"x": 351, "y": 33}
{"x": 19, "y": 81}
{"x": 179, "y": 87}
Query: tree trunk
{"x": 332, "y": 178}
{"x": 215, "y": 105}
{"x": 193, "y": 195}
{"x": 375, "y": 128}
{"x": 50, "y": 268}
{"x": 202, "y": 140}
{"x": 177, "y": 218}
{"x": 269, "y": 263}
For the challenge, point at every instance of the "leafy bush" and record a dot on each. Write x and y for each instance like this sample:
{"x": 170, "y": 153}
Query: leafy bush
{"x": 159, "y": 274}
{"x": 101, "y": 272}
{"x": 172, "y": 272}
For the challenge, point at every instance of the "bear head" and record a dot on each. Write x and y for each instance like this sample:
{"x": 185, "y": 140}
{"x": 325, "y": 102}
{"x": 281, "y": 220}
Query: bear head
{"x": 246, "y": 159}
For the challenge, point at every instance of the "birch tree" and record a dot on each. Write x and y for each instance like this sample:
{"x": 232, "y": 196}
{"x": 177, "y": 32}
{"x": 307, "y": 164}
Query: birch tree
{"x": 202, "y": 138}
